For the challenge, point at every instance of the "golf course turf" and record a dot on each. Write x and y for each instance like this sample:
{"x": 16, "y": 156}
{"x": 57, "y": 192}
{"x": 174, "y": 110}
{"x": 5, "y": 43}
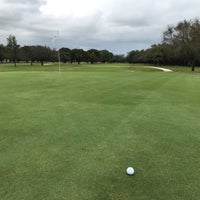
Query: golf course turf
{"x": 72, "y": 134}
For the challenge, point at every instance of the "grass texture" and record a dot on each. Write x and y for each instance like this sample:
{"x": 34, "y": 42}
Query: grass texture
{"x": 71, "y": 135}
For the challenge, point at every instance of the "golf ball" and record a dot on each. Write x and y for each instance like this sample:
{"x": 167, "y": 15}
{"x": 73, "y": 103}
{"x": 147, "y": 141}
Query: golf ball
{"x": 130, "y": 171}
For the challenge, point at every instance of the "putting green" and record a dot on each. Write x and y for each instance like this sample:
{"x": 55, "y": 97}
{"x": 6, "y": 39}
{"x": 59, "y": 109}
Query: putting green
{"x": 72, "y": 135}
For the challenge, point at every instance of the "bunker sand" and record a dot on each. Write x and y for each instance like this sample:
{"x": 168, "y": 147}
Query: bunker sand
{"x": 160, "y": 68}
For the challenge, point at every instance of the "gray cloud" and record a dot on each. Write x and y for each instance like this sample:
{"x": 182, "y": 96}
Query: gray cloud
{"x": 117, "y": 25}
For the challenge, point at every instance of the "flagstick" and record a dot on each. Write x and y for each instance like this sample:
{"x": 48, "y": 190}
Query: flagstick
{"x": 58, "y": 52}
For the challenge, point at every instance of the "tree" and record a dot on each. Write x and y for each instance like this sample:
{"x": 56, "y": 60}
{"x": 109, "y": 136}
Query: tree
{"x": 93, "y": 56}
{"x": 28, "y": 53}
{"x": 184, "y": 39}
{"x": 2, "y": 53}
{"x": 119, "y": 58}
{"x": 168, "y": 35}
{"x": 131, "y": 57}
{"x": 65, "y": 55}
{"x": 12, "y": 48}
{"x": 42, "y": 53}
{"x": 137, "y": 56}
{"x": 156, "y": 54}
{"x": 78, "y": 55}
{"x": 195, "y": 42}
{"x": 106, "y": 56}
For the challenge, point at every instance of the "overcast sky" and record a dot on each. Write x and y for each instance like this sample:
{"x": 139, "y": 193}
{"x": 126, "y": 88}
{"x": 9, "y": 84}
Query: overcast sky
{"x": 116, "y": 25}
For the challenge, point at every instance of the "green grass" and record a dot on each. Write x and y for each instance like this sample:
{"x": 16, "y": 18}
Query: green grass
{"x": 71, "y": 135}
{"x": 9, "y": 67}
{"x": 184, "y": 69}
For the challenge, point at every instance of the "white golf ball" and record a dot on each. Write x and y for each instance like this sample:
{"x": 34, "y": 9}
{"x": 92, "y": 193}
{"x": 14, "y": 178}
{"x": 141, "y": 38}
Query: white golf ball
{"x": 130, "y": 171}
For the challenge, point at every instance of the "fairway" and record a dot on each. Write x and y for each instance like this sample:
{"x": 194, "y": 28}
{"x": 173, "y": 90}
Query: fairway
{"x": 71, "y": 135}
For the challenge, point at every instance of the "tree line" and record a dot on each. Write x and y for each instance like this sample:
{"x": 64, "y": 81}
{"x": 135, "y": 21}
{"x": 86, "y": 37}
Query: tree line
{"x": 13, "y": 52}
{"x": 180, "y": 46}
